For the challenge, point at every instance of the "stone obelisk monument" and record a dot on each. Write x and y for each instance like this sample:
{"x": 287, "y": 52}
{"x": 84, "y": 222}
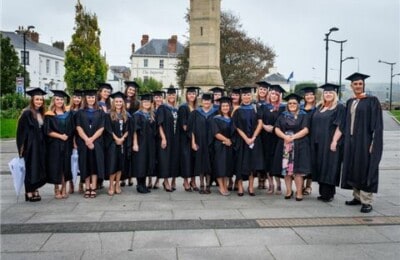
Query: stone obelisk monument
{"x": 204, "y": 61}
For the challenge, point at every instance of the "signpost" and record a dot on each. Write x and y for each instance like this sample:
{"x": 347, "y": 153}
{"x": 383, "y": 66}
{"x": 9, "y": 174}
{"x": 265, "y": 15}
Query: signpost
{"x": 19, "y": 85}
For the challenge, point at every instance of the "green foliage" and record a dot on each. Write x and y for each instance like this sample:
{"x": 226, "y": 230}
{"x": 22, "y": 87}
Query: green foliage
{"x": 302, "y": 85}
{"x": 10, "y": 66}
{"x": 148, "y": 85}
{"x": 396, "y": 114}
{"x": 8, "y": 128}
{"x": 13, "y": 100}
{"x": 84, "y": 65}
{"x": 243, "y": 60}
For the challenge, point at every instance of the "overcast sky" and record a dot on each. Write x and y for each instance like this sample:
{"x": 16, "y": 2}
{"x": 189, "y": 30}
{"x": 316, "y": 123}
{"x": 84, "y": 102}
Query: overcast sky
{"x": 294, "y": 29}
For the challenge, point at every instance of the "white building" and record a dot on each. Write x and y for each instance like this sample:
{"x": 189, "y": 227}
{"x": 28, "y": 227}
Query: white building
{"x": 116, "y": 75}
{"x": 44, "y": 63}
{"x": 156, "y": 58}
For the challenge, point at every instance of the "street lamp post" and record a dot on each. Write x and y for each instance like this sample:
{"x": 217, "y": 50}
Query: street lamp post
{"x": 391, "y": 80}
{"x": 341, "y": 61}
{"x": 333, "y": 29}
{"x": 24, "y": 35}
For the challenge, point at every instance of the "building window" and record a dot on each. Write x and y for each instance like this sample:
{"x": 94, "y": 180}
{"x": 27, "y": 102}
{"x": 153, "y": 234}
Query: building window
{"x": 161, "y": 64}
{"x": 56, "y": 67}
{"x": 145, "y": 63}
{"x": 145, "y": 79}
{"x": 48, "y": 66}
{"x": 26, "y": 57}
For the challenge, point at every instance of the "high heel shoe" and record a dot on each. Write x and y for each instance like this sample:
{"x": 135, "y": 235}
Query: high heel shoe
{"x": 271, "y": 189}
{"x": 251, "y": 193}
{"x": 37, "y": 196}
{"x": 188, "y": 189}
{"x": 193, "y": 186}
{"x": 288, "y": 197}
{"x": 30, "y": 199}
{"x": 165, "y": 188}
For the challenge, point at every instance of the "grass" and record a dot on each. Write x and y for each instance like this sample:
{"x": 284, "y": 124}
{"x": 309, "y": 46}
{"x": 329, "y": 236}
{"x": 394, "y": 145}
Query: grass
{"x": 8, "y": 128}
{"x": 396, "y": 114}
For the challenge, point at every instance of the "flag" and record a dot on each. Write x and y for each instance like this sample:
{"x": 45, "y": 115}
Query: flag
{"x": 290, "y": 77}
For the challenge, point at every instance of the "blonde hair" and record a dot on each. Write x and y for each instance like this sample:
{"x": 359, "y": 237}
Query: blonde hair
{"x": 322, "y": 103}
{"x": 113, "y": 111}
{"x": 52, "y": 106}
{"x": 151, "y": 112}
{"x": 72, "y": 106}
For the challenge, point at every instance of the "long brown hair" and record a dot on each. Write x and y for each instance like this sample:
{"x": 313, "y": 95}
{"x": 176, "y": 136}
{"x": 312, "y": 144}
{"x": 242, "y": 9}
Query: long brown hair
{"x": 85, "y": 105}
{"x": 31, "y": 107}
{"x": 72, "y": 106}
{"x": 191, "y": 108}
{"x": 113, "y": 111}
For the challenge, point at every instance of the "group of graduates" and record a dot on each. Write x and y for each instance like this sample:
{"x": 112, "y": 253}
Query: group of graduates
{"x": 226, "y": 139}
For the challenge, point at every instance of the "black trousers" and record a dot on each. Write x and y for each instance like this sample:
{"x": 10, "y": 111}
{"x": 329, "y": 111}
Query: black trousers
{"x": 327, "y": 191}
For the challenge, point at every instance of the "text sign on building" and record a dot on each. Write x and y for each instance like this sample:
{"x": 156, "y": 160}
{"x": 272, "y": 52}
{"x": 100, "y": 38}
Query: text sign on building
{"x": 19, "y": 85}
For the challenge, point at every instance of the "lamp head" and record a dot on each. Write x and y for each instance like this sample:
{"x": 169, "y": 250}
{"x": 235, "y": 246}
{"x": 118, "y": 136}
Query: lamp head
{"x": 333, "y": 29}
{"x": 31, "y": 27}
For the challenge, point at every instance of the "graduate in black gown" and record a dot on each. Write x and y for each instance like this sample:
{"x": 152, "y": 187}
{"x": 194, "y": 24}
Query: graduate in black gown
{"x": 103, "y": 96}
{"x": 186, "y": 155}
{"x": 202, "y": 138}
{"x": 31, "y": 144}
{"x": 117, "y": 142}
{"x": 326, "y": 157}
{"x": 158, "y": 100}
{"x": 59, "y": 129}
{"x": 222, "y": 130}
{"x": 292, "y": 154}
{"x": 90, "y": 126}
{"x": 168, "y": 161}
{"x": 74, "y": 106}
{"x": 262, "y": 99}
{"x": 144, "y": 133}
{"x": 132, "y": 105}
{"x": 270, "y": 113}
{"x": 249, "y": 151}
{"x": 363, "y": 144}
{"x": 310, "y": 101}
{"x": 217, "y": 94}
{"x": 236, "y": 101}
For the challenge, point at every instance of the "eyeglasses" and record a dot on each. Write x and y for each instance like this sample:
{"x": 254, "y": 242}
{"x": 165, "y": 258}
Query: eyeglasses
{"x": 292, "y": 103}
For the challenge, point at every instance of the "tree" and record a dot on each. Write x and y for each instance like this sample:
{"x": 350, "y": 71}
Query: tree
{"x": 84, "y": 65}
{"x": 149, "y": 85}
{"x": 10, "y": 66}
{"x": 243, "y": 60}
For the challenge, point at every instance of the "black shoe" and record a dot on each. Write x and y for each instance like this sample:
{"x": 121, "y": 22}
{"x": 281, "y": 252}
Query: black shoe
{"x": 299, "y": 199}
{"x": 323, "y": 199}
{"x": 288, "y": 197}
{"x": 141, "y": 189}
{"x": 251, "y": 193}
{"x": 122, "y": 184}
{"x": 366, "y": 208}
{"x": 353, "y": 202}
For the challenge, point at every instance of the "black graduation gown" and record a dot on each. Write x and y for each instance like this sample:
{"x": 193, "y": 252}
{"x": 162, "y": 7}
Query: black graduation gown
{"x": 269, "y": 140}
{"x": 143, "y": 160}
{"x": 168, "y": 161}
{"x": 200, "y": 126}
{"x": 223, "y": 155}
{"x": 133, "y": 106}
{"x": 248, "y": 160}
{"x": 91, "y": 161}
{"x": 302, "y": 162}
{"x": 58, "y": 159}
{"x": 310, "y": 113}
{"x": 116, "y": 155}
{"x": 186, "y": 157}
{"x": 326, "y": 164}
{"x": 360, "y": 167}
{"x": 31, "y": 143}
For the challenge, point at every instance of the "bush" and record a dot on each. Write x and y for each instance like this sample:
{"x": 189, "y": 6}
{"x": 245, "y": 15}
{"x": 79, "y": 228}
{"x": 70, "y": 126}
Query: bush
{"x": 13, "y": 101}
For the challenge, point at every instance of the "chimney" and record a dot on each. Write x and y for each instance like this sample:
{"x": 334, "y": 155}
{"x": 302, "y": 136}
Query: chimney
{"x": 133, "y": 48}
{"x": 34, "y": 36}
{"x": 172, "y": 44}
{"x": 59, "y": 45}
{"x": 145, "y": 39}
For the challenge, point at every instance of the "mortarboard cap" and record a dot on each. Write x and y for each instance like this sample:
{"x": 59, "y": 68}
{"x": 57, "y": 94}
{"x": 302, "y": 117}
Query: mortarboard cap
{"x": 36, "y": 92}
{"x": 131, "y": 84}
{"x": 308, "y": 90}
{"x": 277, "y": 88}
{"x": 244, "y": 90}
{"x": 263, "y": 83}
{"x": 293, "y": 96}
{"x": 193, "y": 89}
{"x": 158, "y": 93}
{"x": 357, "y": 76}
{"x": 329, "y": 87}
{"x": 104, "y": 85}
{"x": 207, "y": 96}
{"x": 146, "y": 96}
{"x": 171, "y": 90}
{"x": 235, "y": 90}
{"x": 217, "y": 90}
{"x": 59, "y": 93}
{"x": 90, "y": 92}
{"x": 118, "y": 94}
{"x": 224, "y": 99}
{"x": 78, "y": 93}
